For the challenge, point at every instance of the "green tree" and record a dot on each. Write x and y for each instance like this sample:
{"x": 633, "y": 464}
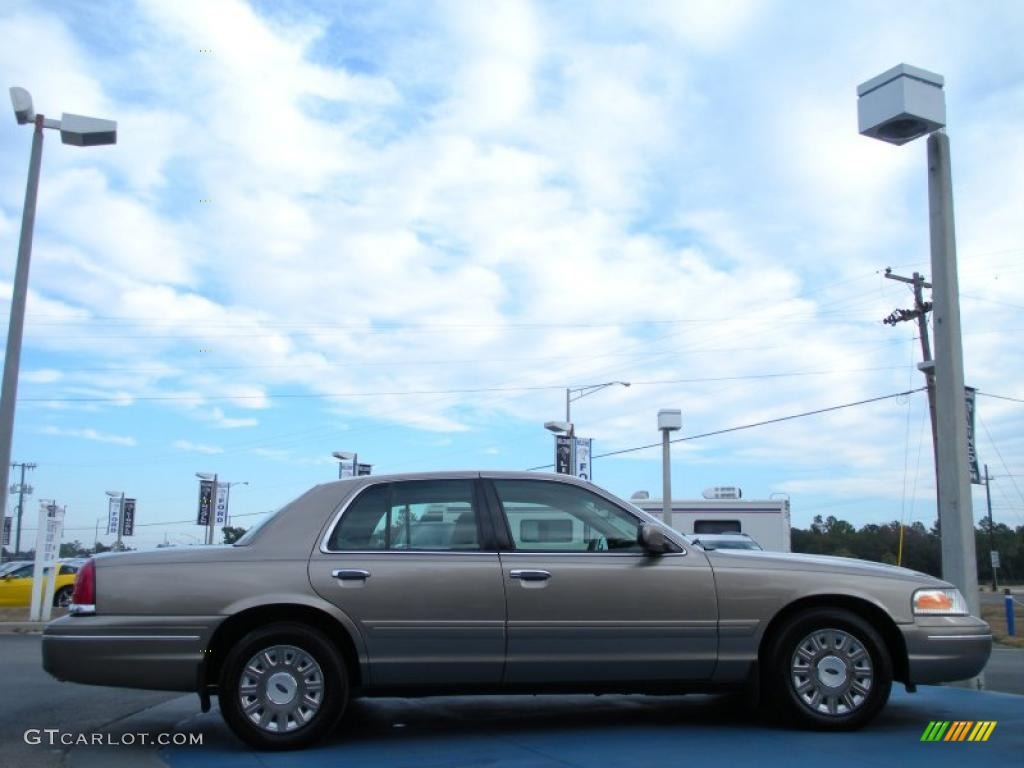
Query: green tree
{"x": 232, "y": 533}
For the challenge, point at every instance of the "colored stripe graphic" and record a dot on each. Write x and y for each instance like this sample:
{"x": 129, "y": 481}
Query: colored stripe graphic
{"x": 935, "y": 730}
{"x": 958, "y": 730}
{"x": 984, "y": 731}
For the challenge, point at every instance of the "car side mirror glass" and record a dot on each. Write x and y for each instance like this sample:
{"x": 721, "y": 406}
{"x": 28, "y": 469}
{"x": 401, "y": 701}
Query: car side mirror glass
{"x": 654, "y": 541}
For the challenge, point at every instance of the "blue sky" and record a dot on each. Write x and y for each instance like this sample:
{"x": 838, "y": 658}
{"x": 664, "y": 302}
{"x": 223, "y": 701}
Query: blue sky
{"x": 425, "y": 220}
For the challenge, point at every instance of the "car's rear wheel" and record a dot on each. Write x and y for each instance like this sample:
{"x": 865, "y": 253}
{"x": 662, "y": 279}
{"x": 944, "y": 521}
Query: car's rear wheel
{"x": 830, "y": 670}
{"x": 283, "y": 686}
{"x": 62, "y": 598}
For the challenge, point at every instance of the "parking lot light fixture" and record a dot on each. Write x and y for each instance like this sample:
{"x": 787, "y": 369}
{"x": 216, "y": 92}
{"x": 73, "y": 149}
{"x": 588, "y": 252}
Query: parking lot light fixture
{"x": 74, "y": 129}
{"x": 669, "y": 420}
{"x": 900, "y": 105}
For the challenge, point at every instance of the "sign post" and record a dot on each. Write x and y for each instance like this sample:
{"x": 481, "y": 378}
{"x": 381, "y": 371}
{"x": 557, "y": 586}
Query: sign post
{"x": 48, "y": 535}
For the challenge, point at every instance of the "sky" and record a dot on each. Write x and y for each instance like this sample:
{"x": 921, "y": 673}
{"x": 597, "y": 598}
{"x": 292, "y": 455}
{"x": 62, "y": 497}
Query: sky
{"x": 403, "y": 229}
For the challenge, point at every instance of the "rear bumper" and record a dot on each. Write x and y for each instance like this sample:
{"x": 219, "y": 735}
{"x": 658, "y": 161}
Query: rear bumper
{"x": 941, "y": 649}
{"x": 159, "y": 653}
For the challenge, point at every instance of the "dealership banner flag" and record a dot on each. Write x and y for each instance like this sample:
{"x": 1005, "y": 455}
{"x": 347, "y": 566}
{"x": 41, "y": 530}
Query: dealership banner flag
{"x": 7, "y": 532}
{"x": 205, "y": 502}
{"x": 582, "y": 460}
{"x": 221, "y": 516}
{"x": 563, "y": 455}
{"x": 129, "y": 517}
{"x": 113, "y": 515}
{"x": 972, "y": 449}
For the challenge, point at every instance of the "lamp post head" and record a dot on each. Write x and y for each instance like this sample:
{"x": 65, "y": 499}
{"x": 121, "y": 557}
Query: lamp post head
{"x": 901, "y": 104}
{"x": 557, "y": 426}
{"x": 670, "y": 419}
{"x": 87, "y": 131}
{"x": 21, "y": 100}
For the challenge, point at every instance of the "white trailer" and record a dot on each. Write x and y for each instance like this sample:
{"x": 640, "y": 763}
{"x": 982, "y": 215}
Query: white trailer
{"x": 767, "y": 522}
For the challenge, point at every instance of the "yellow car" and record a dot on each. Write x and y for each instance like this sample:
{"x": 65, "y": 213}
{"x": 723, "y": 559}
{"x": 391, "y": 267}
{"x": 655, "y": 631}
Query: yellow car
{"x": 16, "y": 585}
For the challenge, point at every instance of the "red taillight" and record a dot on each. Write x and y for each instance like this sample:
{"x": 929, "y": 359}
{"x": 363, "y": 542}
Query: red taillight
{"x": 83, "y": 599}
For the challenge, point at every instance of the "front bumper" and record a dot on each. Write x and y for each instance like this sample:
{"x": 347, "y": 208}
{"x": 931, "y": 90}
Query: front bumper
{"x": 154, "y": 652}
{"x": 941, "y": 649}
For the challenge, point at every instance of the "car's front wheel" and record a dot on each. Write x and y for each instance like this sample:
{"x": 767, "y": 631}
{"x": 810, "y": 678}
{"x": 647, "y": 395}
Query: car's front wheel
{"x": 830, "y": 669}
{"x": 283, "y": 686}
{"x": 62, "y": 598}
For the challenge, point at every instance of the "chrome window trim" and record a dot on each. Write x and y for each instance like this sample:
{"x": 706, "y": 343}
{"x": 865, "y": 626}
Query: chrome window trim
{"x": 562, "y": 553}
{"x": 341, "y": 511}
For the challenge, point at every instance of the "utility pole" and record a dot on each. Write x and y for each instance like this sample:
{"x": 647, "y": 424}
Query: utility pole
{"x": 21, "y": 501}
{"x": 991, "y": 535}
{"x": 927, "y": 366}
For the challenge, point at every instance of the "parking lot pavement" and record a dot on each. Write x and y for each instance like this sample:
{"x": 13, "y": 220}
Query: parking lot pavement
{"x": 621, "y": 731}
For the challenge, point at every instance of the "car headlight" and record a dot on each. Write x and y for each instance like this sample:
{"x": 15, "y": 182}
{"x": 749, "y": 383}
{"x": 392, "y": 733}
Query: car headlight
{"x": 939, "y": 602}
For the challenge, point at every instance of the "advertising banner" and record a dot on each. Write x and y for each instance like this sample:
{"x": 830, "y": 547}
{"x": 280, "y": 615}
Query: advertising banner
{"x": 584, "y": 470}
{"x": 972, "y": 449}
{"x": 365, "y": 469}
{"x": 221, "y": 513}
{"x": 113, "y": 516}
{"x": 129, "y": 517}
{"x": 563, "y": 455}
{"x": 205, "y": 502}
{"x": 7, "y": 532}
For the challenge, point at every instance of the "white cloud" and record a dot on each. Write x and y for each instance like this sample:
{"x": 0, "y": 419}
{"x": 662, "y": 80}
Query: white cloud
{"x": 89, "y": 434}
{"x": 186, "y": 445}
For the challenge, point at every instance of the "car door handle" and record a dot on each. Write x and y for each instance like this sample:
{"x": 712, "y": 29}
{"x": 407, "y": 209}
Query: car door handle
{"x": 350, "y": 574}
{"x": 530, "y": 575}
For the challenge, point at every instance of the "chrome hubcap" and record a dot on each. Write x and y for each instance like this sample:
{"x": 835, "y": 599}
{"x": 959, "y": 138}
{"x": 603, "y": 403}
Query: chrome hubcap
{"x": 281, "y": 688}
{"x": 831, "y": 672}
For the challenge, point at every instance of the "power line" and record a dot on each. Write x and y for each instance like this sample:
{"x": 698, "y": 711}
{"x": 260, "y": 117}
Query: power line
{"x": 750, "y": 426}
{"x": 316, "y": 395}
{"x": 1001, "y": 397}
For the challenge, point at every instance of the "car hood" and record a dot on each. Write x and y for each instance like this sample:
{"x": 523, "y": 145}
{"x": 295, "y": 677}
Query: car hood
{"x": 734, "y": 558}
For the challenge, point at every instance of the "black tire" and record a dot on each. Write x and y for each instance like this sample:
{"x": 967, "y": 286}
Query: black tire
{"x": 62, "y": 597}
{"x": 828, "y": 669}
{"x": 286, "y": 647}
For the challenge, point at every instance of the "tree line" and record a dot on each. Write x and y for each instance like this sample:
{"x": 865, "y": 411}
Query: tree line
{"x": 922, "y": 549}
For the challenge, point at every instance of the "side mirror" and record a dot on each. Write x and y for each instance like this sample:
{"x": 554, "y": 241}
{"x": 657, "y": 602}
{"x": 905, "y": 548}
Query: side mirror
{"x": 654, "y": 541}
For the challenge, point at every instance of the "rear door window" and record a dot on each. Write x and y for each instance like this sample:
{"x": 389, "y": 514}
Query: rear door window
{"x": 411, "y": 515}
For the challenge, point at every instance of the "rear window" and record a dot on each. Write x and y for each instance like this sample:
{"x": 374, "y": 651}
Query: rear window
{"x": 716, "y": 526}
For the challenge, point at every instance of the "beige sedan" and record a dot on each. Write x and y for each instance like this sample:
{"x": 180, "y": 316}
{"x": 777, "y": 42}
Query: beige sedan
{"x": 499, "y": 582}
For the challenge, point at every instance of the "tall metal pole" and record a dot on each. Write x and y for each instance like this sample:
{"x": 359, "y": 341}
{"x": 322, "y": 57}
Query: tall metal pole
{"x": 666, "y": 480}
{"x": 991, "y": 534}
{"x": 120, "y": 522}
{"x": 21, "y": 507}
{"x": 956, "y": 514}
{"x": 12, "y": 362}
{"x": 211, "y": 521}
{"x": 568, "y": 406}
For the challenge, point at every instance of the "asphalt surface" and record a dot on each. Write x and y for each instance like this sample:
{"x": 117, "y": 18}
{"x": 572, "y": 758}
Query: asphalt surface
{"x": 30, "y": 698}
{"x": 499, "y": 731}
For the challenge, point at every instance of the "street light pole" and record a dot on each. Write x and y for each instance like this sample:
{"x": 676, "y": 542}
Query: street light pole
{"x": 12, "y": 362}
{"x": 956, "y": 514}
{"x": 74, "y": 129}
{"x": 668, "y": 421}
{"x": 898, "y": 106}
